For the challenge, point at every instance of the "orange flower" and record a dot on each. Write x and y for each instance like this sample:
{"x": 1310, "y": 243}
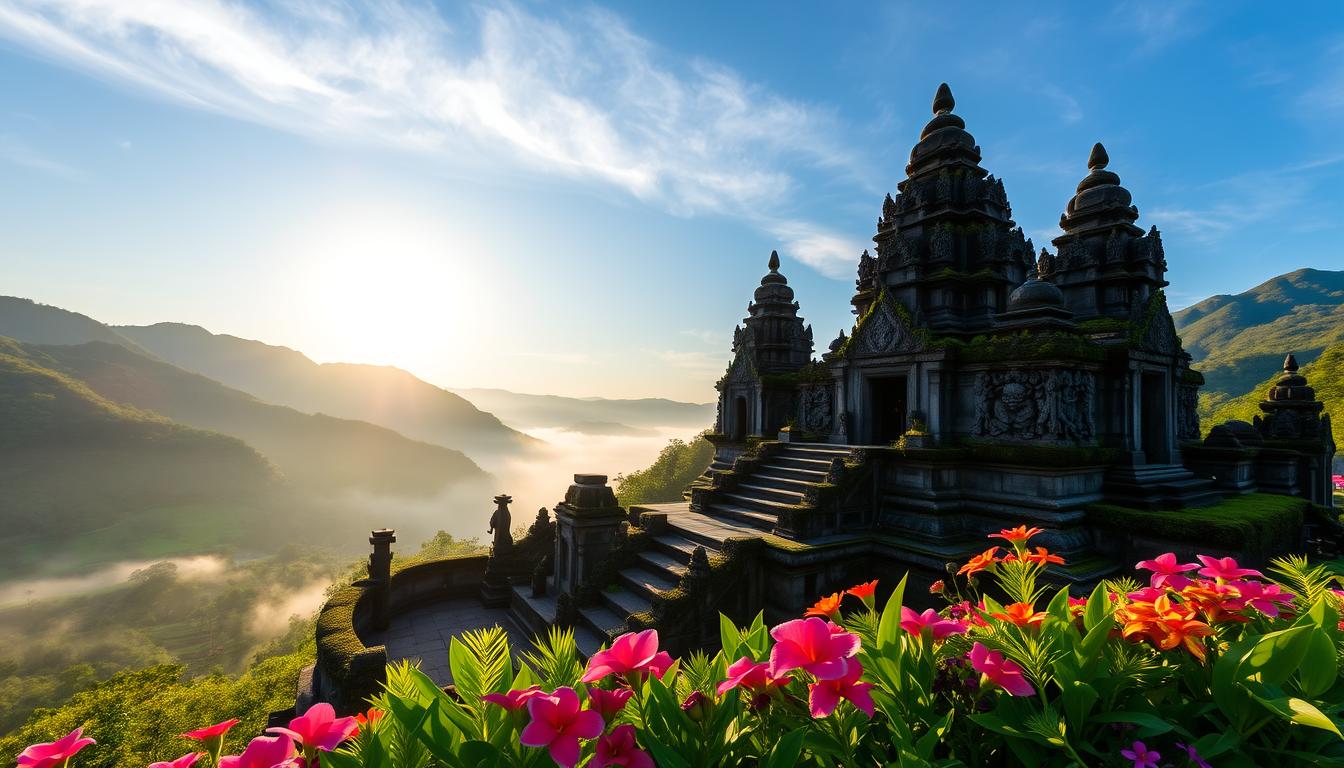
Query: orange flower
{"x": 864, "y": 592}
{"x": 1042, "y": 556}
{"x": 1018, "y": 535}
{"x": 372, "y": 717}
{"x": 1187, "y": 632}
{"x": 827, "y": 607}
{"x": 980, "y": 562}
{"x": 1021, "y": 614}
{"x": 1218, "y": 602}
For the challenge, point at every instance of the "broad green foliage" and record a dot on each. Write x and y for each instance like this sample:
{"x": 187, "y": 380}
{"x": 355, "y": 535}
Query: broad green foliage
{"x": 678, "y": 464}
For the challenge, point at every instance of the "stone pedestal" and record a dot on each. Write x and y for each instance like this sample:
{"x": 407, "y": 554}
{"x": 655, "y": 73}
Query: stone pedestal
{"x": 586, "y": 524}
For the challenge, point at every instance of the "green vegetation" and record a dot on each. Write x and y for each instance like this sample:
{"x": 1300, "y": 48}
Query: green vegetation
{"x": 1325, "y": 375}
{"x": 1260, "y": 520}
{"x": 1237, "y": 341}
{"x": 676, "y": 467}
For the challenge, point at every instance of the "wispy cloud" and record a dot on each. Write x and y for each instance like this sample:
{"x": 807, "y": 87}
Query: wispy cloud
{"x": 580, "y": 96}
{"x": 693, "y": 361}
{"x": 17, "y": 152}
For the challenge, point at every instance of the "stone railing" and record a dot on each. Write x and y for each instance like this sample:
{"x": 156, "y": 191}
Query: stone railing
{"x": 348, "y": 670}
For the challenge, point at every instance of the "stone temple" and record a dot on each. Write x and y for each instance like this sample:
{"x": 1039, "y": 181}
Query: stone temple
{"x": 984, "y": 384}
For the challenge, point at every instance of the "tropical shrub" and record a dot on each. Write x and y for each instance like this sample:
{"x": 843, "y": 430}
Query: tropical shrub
{"x": 1209, "y": 663}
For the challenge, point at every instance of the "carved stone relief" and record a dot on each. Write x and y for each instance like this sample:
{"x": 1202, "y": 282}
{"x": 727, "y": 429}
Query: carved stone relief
{"x": 1033, "y": 405}
{"x": 815, "y": 408}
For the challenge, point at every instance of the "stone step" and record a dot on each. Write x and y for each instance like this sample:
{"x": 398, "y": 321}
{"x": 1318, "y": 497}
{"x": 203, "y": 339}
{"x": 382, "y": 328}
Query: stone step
{"x": 624, "y": 602}
{"x": 770, "y": 493}
{"x": 785, "y": 481}
{"x": 762, "y": 522}
{"x": 605, "y": 622}
{"x": 645, "y": 582}
{"x": 677, "y": 547}
{"x": 588, "y": 642}
{"x": 663, "y": 563}
{"x": 792, "y": 462}
{"x": 811, "y": 450}
{"x": 751, "y": 501}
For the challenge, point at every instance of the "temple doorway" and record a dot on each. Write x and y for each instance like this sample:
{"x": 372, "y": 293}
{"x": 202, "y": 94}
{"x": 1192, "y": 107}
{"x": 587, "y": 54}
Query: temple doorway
{"x": 1153, "y": 405}
{"x": 888, "y": 396}
{"x": 739, "y": 431}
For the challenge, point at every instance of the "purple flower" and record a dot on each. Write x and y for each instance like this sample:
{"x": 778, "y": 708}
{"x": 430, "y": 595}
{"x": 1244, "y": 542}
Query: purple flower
{"x": 1142, "y": 756}
{"x": 1193, "y": 754}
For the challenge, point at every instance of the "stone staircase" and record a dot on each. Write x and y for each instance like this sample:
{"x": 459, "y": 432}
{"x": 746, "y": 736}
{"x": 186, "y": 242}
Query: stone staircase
{"x": 780, "y": 482}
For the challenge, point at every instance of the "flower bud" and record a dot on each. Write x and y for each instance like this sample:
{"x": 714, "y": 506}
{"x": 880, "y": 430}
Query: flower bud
{"x": 697, "y": 706}
{"x": 937, "y": 587}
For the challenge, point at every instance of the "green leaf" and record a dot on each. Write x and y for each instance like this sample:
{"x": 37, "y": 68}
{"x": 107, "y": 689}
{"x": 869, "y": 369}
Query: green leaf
{"x": 663, "y": 755}
{"x": 889, "y": 627}
{"x": 729, "y": 636}
{"x": 1098, "y": 609}
{"x": 786, "y": 751}
{"x": 1320, "y": 665}
{"x": 339, "y": 760}
{"x": 1059, "y": 605}
{"x": 1277, "y": 655}
{"x": 1149, "y": 725}
{"x": 1301, "y": 712}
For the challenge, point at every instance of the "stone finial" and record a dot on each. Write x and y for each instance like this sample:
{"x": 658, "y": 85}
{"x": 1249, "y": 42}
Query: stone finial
{"x": 1290, "y": 363}
{"x": 943, "y": 101}
{"x": 774, "y": 261}
{"x": 1098, "y": 159}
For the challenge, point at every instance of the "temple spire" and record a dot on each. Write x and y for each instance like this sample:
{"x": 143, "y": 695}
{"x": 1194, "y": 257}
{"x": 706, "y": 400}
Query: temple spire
{"x": 774, "y": 261}
{"x": 1098, "y": 159}
{"x": 942, "y": 100}
{"x": 1290, "y": 363}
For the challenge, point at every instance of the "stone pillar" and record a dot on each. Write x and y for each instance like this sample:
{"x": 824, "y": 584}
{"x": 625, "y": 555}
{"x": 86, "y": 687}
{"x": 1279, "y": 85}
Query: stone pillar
{"x": 380, "y": 575}
{"x": 586, "y": 525}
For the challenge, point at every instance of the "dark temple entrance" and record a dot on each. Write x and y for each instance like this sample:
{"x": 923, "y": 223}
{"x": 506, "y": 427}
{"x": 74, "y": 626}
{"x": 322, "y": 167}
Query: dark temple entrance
{"x": 1153, "y": 406}
{"x": 889, "y": 401}
{"x": 739, "y": 418}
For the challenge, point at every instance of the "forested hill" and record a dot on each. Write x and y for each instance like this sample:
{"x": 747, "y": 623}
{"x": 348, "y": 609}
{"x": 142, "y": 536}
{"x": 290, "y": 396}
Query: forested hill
{"x": 1238, "y": 341}
{"x": 317, "y": 452}
{"x": 72, "y": 460}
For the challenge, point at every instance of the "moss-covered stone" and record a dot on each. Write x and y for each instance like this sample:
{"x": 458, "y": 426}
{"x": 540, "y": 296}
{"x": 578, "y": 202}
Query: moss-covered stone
{"x": 1258, "y": 522}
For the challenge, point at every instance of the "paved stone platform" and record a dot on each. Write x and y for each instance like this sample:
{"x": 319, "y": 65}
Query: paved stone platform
{"x": 423, "y": 634}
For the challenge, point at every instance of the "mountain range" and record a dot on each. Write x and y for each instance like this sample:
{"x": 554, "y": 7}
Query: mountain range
{"x": 593, "y": 415}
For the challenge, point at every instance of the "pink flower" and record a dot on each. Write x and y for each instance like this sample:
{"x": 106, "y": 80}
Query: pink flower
{"x": 747, "y": 673}
{"x": 825, "y": 695}
{"x": 1002, "y": 672}
{"x": 619, "y": 748}
{"x": 1265, "y": 598}
{"x": 1193, "y": 754}
{"x": 1141, "y": 755}
{"x": 1224, "y": 568}
{"x": 1149, "y": 594}
{"x": 514, "y": 701}
{"x": 261, "y": 752}
{"x": 630, "y": 652}
{"x": 938, "y": 627}
{"x": 54, "y": 754}
{"x": 814, "y": 645}
{"x": 212, "y": 737}
{"x": 558, "y": 724}
{"x": 608, "y": 703}
{"x": 319, "y": 729}
{"x": 185, "y": 761}
{"x": 1168, "y": 572}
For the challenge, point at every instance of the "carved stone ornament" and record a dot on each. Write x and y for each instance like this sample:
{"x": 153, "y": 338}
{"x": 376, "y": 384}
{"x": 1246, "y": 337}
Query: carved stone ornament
{"x": 1035, "y": 405}
{"x": 815, "y": 408}
{"x": 1160, "y": 335}
{"x": 884, "y": 333}
{"x": 1187, "y": 413}
{"x": 740, "y": 371}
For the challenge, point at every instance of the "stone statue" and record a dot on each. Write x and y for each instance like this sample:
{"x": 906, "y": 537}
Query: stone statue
{"x": 500, "y": 524}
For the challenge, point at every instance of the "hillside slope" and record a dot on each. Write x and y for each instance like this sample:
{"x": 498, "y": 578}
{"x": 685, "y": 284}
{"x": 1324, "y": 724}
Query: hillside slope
{"x": 71, "y": 460}
{"x": 381, "y": 395}
{"x": 32, "y": 323}
{"x": 317, "y": 452}
{"x": 1236, "y": 341}
{"x": 527, "y": 411}
{"x": 1325, "y": 374}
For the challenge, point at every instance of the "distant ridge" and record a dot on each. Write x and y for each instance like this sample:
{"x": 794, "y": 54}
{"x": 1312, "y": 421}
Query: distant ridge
{"x": 383, "y": 395}
{"x": 30, "y": 322}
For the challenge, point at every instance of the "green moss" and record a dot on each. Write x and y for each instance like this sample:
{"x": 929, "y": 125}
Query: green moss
{"x": 1106, "y": 325}
{"x": 1029, "y": 346}
{"x": 1260, "y": 522}
{"x": 1041, "y": 455}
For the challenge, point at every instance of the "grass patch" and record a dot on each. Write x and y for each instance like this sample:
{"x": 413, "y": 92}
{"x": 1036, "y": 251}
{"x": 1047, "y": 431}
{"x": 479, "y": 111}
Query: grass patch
{"x": 1259, "y": 522}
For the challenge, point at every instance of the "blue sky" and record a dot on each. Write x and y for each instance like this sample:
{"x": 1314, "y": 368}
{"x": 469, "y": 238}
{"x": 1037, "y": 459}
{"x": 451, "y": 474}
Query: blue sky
{"x": 579, "y": 199}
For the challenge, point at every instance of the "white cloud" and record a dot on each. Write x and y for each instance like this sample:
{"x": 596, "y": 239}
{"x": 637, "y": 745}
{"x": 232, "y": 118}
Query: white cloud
{"x": 580, "y": 96}
{"x": 16, "y": 151}
{"x": 829, "y": 253}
